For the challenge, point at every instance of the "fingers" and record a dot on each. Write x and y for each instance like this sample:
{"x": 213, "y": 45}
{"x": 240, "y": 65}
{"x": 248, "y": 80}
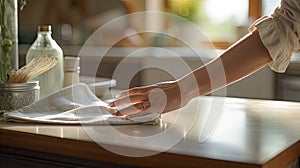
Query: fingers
{"x": 131, "y": 99}
{"x": 133, "y": 109}
{"x": 139, "y": 94}
{"x": 136, "y": 101}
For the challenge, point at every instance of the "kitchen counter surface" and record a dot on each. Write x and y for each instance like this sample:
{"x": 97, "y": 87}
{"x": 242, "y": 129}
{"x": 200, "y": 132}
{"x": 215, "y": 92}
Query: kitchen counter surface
{"x": 225, "y": 132}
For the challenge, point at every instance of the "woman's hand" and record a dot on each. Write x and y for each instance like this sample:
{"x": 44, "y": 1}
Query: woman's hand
{"x": 158, "y": 98}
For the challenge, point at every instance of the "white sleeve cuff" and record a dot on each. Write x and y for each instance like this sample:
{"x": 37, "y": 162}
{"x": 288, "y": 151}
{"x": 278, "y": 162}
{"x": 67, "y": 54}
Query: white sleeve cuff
{"x": 275, "y": 42}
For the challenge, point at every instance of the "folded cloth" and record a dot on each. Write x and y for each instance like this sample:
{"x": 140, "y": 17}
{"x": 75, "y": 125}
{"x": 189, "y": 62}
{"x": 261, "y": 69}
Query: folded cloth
{"x": 73, "y": 105}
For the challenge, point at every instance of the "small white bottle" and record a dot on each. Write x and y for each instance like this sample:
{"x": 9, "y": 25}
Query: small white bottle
{"x": 72, "y": 70}
{"x": 51, "y": 80}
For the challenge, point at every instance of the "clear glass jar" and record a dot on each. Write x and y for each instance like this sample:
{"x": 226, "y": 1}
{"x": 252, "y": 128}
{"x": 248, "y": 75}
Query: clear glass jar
{"x": 52, "y": 80}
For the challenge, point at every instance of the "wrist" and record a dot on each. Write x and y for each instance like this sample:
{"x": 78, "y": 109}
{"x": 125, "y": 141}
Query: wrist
{"x": 189, "y": 87}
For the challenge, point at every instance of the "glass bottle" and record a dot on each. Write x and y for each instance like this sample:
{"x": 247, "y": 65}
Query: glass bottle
{"x": 51, "y": 80}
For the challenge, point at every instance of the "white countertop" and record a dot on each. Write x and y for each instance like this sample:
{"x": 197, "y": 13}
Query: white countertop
{"x": 247, "y": 132}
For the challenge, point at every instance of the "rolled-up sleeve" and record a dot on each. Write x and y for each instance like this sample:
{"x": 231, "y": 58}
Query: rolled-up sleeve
{"x": 280, "y": 33}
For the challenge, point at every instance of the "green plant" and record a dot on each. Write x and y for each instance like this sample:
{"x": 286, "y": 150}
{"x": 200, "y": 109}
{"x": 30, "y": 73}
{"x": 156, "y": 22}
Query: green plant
{"x": 6, "y": 42}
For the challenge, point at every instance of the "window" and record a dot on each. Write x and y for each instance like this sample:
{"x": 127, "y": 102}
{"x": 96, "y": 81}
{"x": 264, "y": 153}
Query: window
{"x": 223, "y": 21}
{"x": 219, "y": 19}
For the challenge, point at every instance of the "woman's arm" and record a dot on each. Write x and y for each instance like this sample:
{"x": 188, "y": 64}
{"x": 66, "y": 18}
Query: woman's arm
{"x": 241, "y": 59}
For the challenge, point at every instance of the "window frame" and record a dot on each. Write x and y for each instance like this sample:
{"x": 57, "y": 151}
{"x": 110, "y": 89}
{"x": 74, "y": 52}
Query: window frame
{"x": 254, "y": 12}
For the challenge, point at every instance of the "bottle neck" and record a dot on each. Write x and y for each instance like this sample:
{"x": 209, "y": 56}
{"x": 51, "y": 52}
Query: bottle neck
{"x": 44, "y": 39}
{"x": 44, "y": 34}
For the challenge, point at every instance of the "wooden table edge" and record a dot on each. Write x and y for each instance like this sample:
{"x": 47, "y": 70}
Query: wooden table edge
{"x": 92, "y": 151}
{"x": 284, "y": 158}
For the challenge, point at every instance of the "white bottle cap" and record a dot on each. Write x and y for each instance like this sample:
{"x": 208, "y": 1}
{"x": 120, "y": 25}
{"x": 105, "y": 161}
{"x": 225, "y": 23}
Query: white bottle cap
{"x": 71, "y": 64}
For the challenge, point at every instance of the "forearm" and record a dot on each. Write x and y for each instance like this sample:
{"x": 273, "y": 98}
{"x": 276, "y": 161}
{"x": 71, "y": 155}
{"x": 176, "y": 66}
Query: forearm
{"x": 241, "y": 59}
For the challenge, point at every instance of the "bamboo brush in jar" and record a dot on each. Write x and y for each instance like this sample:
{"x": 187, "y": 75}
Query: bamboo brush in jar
{"x": 34, "y": 68}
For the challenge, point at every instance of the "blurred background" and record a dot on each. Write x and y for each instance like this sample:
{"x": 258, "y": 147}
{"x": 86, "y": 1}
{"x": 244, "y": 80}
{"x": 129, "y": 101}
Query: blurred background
{"x": 224, "y": 22}
{"x": 75, "y": 20}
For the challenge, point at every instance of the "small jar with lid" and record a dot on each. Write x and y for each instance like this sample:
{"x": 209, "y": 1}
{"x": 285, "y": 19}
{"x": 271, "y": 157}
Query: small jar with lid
{"x": 72, "y": 70}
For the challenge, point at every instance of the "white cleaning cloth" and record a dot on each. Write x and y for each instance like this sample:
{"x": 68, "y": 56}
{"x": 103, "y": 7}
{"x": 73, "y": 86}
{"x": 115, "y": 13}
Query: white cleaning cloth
{"x": 72, "y": 105}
